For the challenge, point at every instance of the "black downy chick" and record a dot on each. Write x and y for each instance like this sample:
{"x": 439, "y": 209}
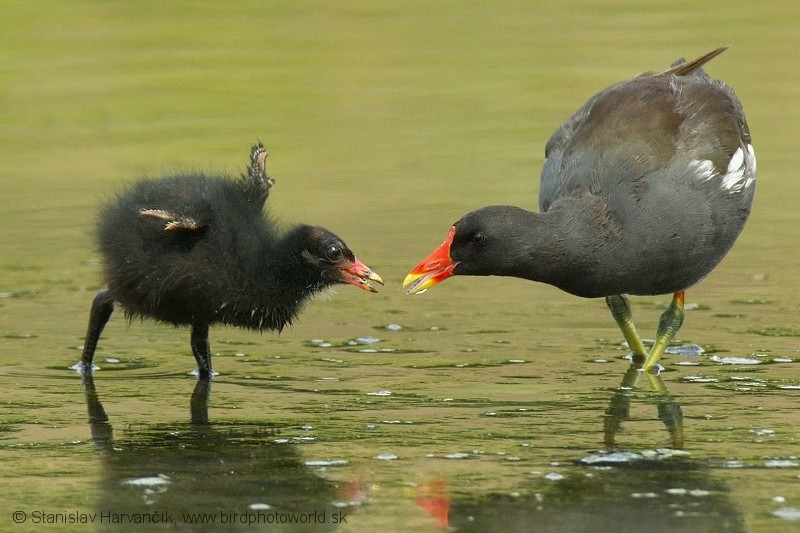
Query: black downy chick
{"x": 196, "y": 250}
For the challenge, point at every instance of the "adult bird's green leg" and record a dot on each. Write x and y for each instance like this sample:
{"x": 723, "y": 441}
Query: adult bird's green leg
{"x": 621, "y": 310}
{"x": 669, "y": 324}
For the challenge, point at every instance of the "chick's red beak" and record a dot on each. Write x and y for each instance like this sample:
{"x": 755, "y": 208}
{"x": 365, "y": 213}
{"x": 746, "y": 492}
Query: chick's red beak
{"x": 435, "y": 268}
{"x": 360, "y": 275}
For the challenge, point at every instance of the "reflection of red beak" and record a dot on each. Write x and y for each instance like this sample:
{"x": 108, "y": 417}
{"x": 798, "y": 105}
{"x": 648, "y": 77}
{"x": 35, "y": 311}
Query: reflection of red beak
{"x": 434, "y": 269}
{"x": 433, "y": 497}
{"x": 360, "y": 275}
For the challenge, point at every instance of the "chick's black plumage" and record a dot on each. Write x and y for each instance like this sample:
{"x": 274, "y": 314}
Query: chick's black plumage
{"x": 197, "y": 250}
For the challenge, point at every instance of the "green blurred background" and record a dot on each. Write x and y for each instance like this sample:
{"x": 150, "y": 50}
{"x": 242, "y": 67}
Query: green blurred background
{"x": 385, "y": 120}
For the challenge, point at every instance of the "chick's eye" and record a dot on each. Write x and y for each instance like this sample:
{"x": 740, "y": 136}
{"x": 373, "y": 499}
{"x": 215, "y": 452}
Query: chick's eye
{"x": 334, "y": 252}
{"x": 479, "y": 239}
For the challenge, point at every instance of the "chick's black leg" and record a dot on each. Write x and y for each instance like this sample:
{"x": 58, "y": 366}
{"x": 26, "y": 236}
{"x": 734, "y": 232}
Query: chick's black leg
{"x": 201, "y": 350}
{"x": 102, "y": 307}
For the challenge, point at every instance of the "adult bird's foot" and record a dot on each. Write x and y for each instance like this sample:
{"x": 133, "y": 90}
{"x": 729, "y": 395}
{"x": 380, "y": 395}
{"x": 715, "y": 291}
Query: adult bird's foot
{"x": 654, "y": 370}
{"x": 639, "y": 362}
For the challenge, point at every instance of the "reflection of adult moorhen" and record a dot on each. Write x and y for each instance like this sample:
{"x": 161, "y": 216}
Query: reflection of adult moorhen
{"x": 197, "y": 250}
{"x": 644, "y": 190}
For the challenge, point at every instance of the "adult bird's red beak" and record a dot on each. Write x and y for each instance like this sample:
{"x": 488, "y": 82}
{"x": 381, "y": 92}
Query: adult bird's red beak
{"x": 360, "y": 275}
{"x": 435, "y": 268}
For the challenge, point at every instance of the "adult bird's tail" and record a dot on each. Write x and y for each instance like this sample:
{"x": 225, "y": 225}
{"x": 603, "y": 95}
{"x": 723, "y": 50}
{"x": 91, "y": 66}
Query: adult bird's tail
{"x": 682, "y": 67}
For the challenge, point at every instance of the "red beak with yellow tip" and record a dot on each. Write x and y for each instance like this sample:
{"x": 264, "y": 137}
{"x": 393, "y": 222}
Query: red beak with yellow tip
{"x": 360, "y": 275}
{"x": 435, "y": 268}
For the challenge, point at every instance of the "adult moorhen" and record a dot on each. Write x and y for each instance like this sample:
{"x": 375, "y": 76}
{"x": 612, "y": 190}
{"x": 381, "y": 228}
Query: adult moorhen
{"x": 644, "y": 190}
{"x": 196, "y": 250}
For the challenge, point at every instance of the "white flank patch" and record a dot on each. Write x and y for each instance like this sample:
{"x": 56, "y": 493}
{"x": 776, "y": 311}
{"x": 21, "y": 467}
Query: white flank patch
{"x": 740, "y": 174}
{"x": 703, "y": 169}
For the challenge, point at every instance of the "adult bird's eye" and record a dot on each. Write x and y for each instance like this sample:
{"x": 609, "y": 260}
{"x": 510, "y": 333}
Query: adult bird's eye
{"x": 479, "y": 239}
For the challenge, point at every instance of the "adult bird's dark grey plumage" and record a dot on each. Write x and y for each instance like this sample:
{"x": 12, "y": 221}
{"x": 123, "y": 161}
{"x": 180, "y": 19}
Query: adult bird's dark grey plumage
{"x": 644, "y": 190}
{"x": 193, "y": 249}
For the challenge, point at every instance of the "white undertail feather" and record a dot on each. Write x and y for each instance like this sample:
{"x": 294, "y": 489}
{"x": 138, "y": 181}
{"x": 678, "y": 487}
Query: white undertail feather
{"x": 741, "y": 170}
{"x": 750, "y": 160}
